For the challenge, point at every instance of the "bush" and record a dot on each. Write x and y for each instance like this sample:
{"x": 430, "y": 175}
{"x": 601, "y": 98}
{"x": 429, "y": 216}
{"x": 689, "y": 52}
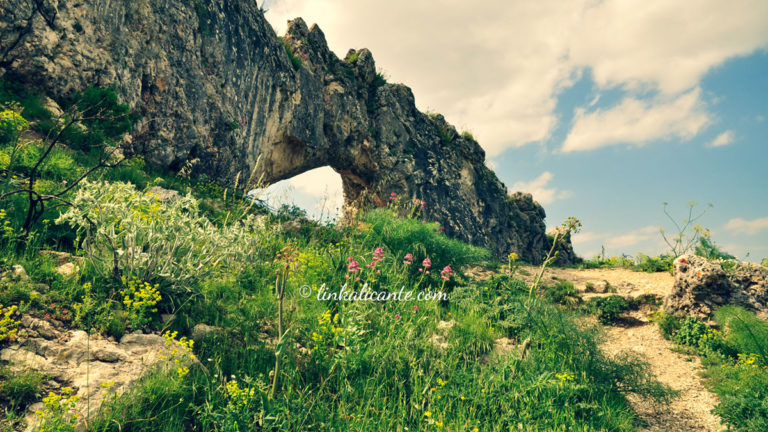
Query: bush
{"x": 744, "y": 331}
{"x": 743, "y": 393}
{"x": 154, "y": 241}
{"x": 18, "y": 389}
{"x": 12, "y": 125}
{"x": 669, "y": 324}
{"x": 563, "y": 292}
{"x": 608, "y": 309}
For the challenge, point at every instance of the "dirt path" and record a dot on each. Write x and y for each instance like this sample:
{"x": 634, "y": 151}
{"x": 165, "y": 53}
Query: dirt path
{"x": 689, "y": 412}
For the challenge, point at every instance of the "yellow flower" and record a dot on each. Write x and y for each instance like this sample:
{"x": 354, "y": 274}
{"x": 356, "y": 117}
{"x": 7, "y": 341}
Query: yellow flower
{"x": 427, "y": 414}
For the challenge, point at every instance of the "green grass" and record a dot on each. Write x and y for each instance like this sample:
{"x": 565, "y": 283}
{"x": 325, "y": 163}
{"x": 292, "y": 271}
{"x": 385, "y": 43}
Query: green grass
{"x": 735, "y": 361}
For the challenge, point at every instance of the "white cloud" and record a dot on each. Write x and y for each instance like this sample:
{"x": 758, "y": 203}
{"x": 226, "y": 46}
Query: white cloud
{"x": 638, "y": 121}
{"x": 750, "y": 227}
{"x": 668, "y": 45}
{"x": 645, "y": 239}
{"x": 498, "y": 66}
{"x": 723, "y": 139}
{"x": 538, "y": 188}
{"x": 318, "y": 191}
{"x": 632, "y": 238}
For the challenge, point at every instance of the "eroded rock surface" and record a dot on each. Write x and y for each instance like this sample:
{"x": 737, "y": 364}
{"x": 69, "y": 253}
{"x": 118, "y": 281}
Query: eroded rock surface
{"x": 702, "y": 285}
{"x": 217, "y": 90}
{"x": 94, "y": 367}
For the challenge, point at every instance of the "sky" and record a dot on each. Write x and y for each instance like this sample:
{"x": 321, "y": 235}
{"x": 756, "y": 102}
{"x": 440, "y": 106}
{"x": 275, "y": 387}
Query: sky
{"x": 603, "y": 110}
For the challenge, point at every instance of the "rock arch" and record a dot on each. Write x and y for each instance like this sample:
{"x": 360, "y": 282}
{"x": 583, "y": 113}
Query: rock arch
{"x": 218, "y": 91}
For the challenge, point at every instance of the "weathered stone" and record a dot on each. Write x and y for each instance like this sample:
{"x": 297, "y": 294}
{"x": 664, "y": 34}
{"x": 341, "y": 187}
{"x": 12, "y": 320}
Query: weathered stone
{"x": 41, "y": 327}
{"x": 165, "y": 195}
{"x": 94, "y": 366}
{"x": 701, "y": 286}
{"x": 201, "y": 330}
{"x": 61, "y": 258}
{"x": 18, "y": 273}
{"x": 217, "y": 91}
{"x": 67, "y": 269}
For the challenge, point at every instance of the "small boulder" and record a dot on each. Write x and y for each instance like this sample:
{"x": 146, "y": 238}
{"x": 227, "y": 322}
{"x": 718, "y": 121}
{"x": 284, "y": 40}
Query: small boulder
{"x": 701, "y": 286}
{"x": 164, "y": 195}
{"x": 18, "y": 273}
{"x": 201, "y": 330}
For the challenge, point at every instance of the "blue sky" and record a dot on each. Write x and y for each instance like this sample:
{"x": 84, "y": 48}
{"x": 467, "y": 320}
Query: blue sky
{"x": 603, "y": 110}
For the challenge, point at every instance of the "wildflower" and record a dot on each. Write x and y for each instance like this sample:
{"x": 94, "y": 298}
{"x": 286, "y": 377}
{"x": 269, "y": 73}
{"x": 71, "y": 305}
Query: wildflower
{"x": 392, "y": 196}
{"x": 415, "y": 308}
{"x": 353, "y": 266}
{"x": 408, "y": 260}
{"x": 427, "y": 414}
{"x": 513, "y": 257}
{"x": 427, "y": 263}
{"x": 397, "y": 316}
{"x": 446, "y": 273}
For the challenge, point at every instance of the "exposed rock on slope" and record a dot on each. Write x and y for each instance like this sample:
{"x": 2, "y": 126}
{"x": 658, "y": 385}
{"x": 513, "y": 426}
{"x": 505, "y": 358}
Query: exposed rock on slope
{"x": 702, "y": 285}
{"x": 217, "y": 89}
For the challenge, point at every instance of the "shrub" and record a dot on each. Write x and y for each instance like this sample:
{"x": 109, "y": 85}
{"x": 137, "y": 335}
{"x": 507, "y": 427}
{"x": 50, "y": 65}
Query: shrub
{"x": 563, "y": 292}
{"x": 668, "y": 323}
{"x": 59, "y": 412}
{"x": 745, "y": 331}
{"x": 709, "y": 250}
{"x": 12, "y": 124}
{"x": 608, "y": 309}
{"x": 742, "y": 389}
{"x": 135, "y": 234}
{"x": 18, "y": 389}
{"x": 8, "y": 325}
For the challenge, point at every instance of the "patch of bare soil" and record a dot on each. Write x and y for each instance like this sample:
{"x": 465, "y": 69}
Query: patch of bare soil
{"x": 689, "y": 412}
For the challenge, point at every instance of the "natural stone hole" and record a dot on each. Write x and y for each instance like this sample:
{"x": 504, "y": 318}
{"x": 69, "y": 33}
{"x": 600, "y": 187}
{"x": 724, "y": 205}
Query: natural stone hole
{"x": 319, "y": 192}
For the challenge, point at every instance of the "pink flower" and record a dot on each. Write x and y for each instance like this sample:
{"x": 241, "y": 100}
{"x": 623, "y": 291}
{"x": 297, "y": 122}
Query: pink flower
{"x": 397, "y": 316}
{"x": 408, "y": 260}
{"x": 415, "y": 308}
{"x": 353, "y": 267}
{"x": 392, "y": 196}
{"x": 427, "y": 263}
{"x": 446, "y": 273}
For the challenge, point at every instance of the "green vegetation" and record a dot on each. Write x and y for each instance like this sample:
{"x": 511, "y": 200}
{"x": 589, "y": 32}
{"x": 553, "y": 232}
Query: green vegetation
{"x": 563, "y": 292}
{"x": 608, "y": 310}
{"x": 736, "y": 360}
{"x": 295, "y": 60}
{"x": 642, "y": 262}
{"x": 280, "y": 360}
{"x": 468, "y": 136}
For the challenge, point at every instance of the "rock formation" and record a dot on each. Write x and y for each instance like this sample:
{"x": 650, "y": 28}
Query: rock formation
{"x": 217, "y": 90}
{"x": 702, "y": 285}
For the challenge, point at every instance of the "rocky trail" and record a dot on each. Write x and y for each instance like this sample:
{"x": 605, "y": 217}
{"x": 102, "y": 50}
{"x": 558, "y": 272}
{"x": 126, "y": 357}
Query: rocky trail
{"x": 691, "y": 410}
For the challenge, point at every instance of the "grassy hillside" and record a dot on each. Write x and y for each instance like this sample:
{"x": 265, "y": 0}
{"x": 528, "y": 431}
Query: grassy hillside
{"x": 459, "y": 354}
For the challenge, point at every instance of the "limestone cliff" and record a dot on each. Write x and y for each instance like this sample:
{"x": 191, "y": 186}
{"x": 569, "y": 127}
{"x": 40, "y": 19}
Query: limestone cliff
{"x": 217, "y": 88}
